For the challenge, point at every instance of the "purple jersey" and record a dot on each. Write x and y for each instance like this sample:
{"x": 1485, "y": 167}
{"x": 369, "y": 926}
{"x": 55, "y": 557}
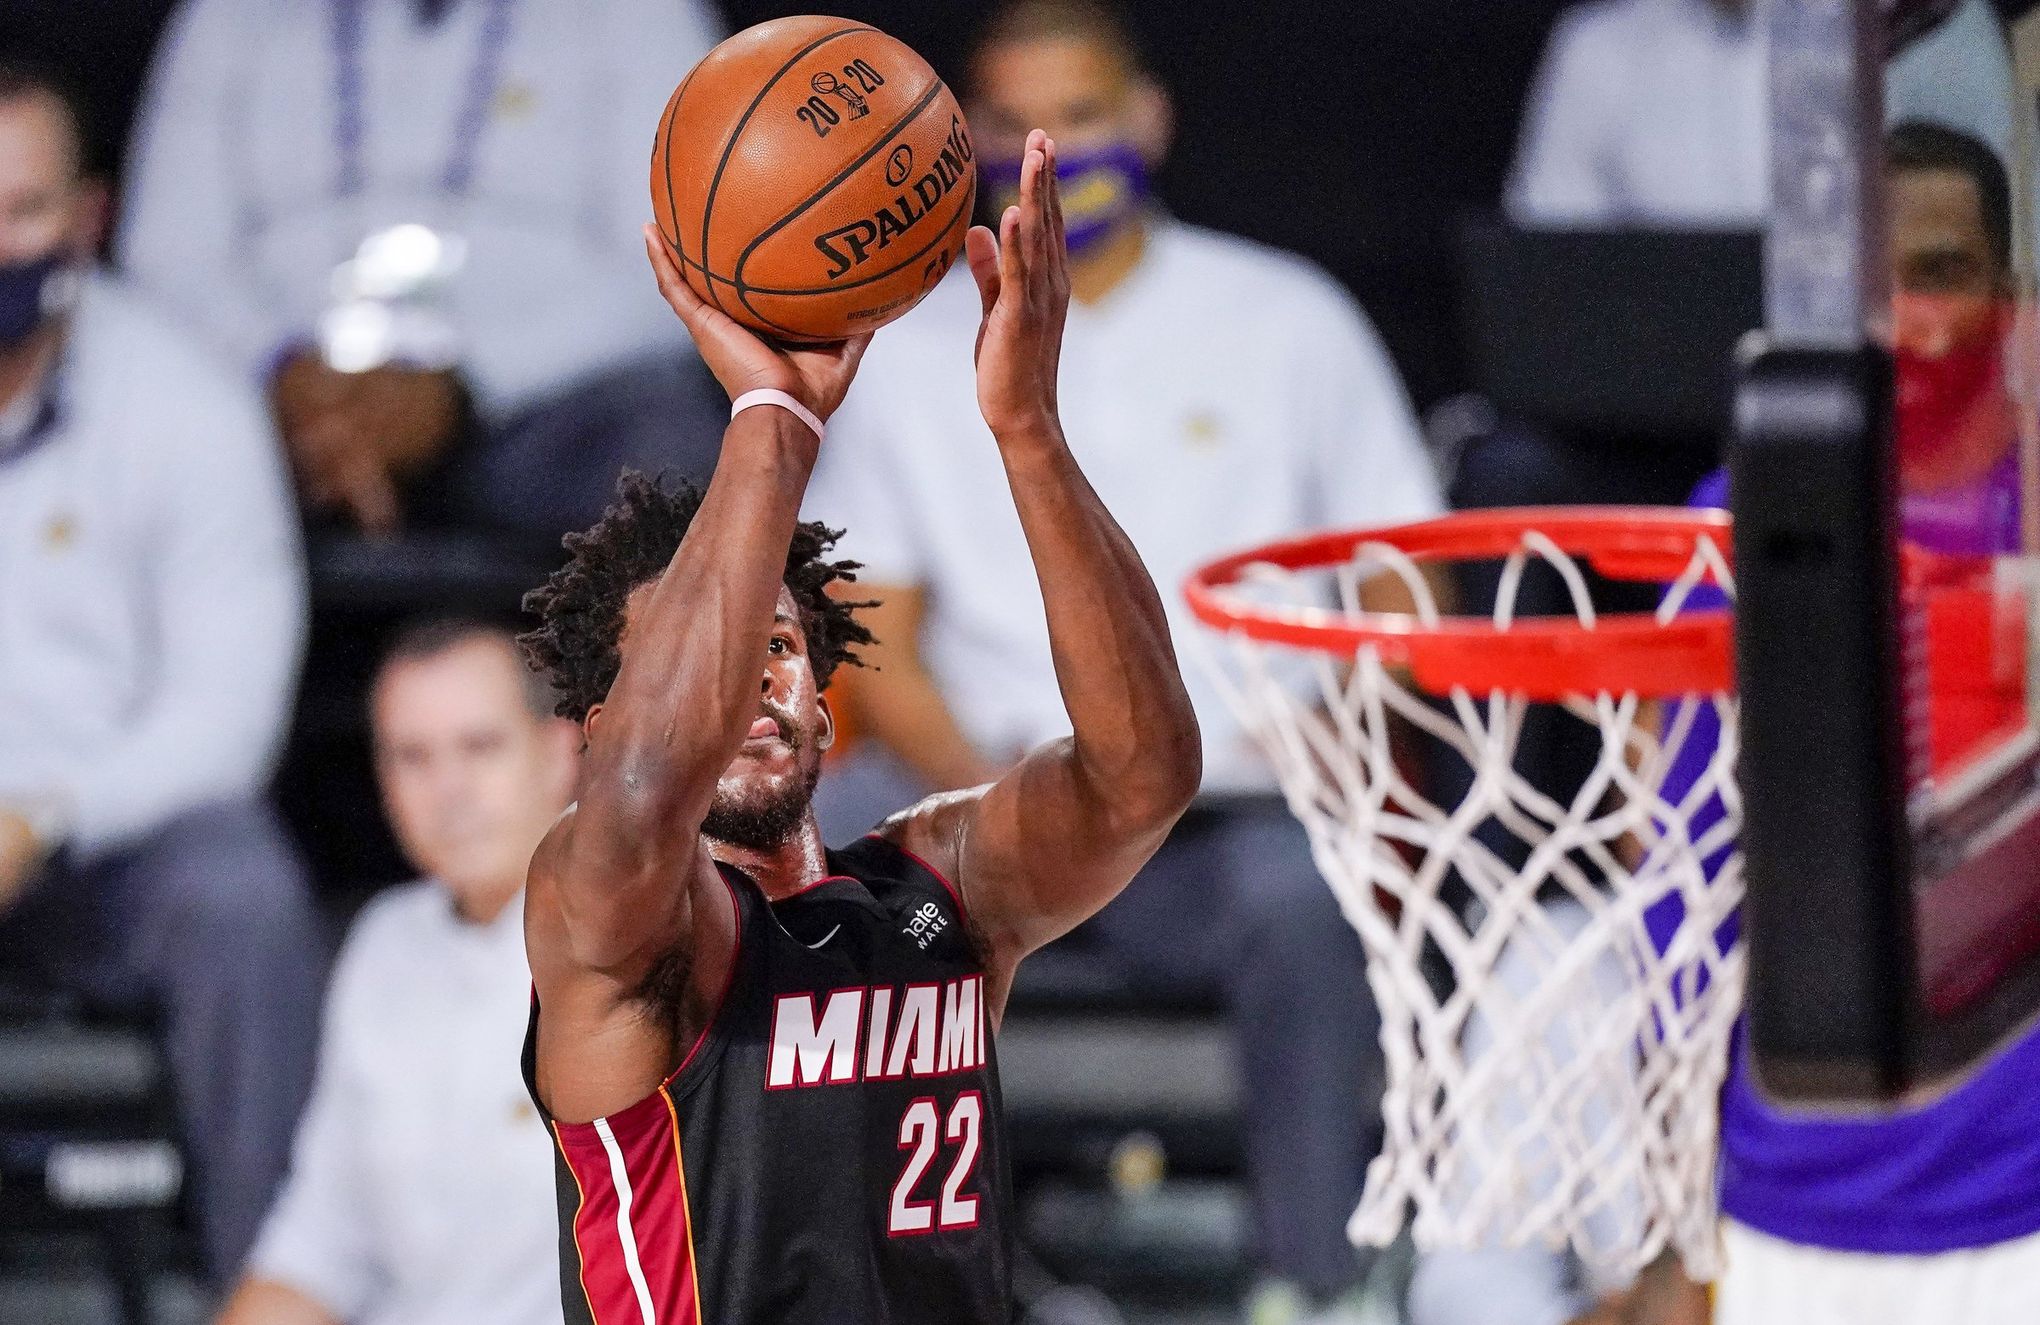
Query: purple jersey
{"x": 1971, "y": 519}
{"x": 1963, "y": 1171}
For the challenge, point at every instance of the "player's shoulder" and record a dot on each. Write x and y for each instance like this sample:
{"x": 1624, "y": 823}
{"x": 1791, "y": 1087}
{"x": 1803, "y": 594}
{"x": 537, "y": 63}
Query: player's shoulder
{"x": 896, "y": 848}
{"x": 926, "y": 837}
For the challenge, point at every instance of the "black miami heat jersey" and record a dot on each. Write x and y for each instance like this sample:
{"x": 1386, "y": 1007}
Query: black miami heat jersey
{"x": 830, "y": 1151}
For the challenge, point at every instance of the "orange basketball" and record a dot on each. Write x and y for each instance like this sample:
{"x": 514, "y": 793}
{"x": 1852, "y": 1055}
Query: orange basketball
{"x": 813, "y": 177}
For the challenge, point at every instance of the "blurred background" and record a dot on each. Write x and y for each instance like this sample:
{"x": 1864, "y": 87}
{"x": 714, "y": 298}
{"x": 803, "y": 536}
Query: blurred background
{"x": 370, "y": 332}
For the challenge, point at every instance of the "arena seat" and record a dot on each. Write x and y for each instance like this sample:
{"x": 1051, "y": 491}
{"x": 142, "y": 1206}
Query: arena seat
{"x": 90, "y": 1175}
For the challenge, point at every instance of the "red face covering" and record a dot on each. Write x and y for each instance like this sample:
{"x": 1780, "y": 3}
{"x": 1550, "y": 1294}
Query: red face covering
{"x": 1954, "y": 416}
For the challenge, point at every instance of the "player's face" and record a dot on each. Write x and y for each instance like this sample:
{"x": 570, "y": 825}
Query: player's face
{"x": 764, "y": 794}
{"x": 46, "y": 204}
{"x": 470, "y": 778}
{"x": 1077, "y": 90}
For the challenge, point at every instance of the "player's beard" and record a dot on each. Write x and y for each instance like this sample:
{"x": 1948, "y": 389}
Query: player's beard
{"x": 762, "y": 821}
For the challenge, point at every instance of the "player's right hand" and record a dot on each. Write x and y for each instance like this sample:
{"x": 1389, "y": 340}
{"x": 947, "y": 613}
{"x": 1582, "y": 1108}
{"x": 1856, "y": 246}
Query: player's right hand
{"x": 818, "y": 376}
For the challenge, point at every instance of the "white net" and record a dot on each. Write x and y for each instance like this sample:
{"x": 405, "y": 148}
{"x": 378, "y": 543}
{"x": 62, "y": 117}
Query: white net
{"x": 1555, "y": 1001}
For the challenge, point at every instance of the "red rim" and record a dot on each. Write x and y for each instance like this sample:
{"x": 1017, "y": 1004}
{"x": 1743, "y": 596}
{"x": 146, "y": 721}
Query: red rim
{"x": 1543, "y": 658}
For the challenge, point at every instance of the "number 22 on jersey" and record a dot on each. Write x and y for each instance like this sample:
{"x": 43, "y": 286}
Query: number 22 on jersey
{"x": 925, "y": 1133}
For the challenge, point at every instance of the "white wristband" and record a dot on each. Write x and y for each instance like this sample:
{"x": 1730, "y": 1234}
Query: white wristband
{"x": 768, "y": 396}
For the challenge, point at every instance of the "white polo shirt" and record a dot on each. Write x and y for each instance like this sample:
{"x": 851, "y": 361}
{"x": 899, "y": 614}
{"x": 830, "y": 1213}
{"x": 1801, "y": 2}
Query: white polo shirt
{"x": 1657, "y": 112}
{"x": 238, "y": 208}
{"x": 1224, "y": 394}
{"x": 1647, "y": 112}
{"x": 421, "y": 1183}
{"x": 152, "y": 598}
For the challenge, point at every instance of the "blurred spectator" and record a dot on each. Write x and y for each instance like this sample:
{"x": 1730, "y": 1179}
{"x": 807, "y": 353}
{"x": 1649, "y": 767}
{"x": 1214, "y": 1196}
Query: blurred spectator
{"x": 1654, "y": 114}
{"x": 1954, "y": 286}
{"x": 153, "y": 619}
{"x": 1217, "y": 393}
{"x": 481, "y": 164}
{"x": 1796, "y": 1187}
{"x": 1657, "y": 112}
{"x": 1647, "y": 112}
{"x": 420, "y": 1188}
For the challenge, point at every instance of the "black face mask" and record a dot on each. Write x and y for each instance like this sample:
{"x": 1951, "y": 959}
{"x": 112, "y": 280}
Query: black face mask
{"x": 31, "y": 293}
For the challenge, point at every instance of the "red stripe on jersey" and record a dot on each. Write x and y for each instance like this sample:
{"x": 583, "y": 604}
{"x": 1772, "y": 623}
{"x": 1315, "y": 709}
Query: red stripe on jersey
{"x": 636, "y": 1245}
{"x": 580, "y": 1254}
{"x": 605, "y": 1279}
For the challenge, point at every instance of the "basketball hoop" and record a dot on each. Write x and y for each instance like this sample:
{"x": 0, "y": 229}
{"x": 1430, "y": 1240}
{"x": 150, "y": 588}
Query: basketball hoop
{"x": 1562, "y": 1091}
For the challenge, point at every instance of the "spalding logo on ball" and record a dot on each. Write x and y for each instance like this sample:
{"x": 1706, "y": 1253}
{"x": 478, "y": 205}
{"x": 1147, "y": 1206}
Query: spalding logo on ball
{"x": 813, "y": 177}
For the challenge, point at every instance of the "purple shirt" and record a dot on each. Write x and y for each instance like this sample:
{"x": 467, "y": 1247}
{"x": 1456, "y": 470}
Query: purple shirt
{"x": 1975, "y": 519}
{"x": 1963, "y": 1171}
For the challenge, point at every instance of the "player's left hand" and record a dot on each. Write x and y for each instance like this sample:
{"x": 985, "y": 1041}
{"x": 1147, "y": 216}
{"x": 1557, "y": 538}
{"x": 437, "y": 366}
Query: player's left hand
{"x": 1023, "y": 276}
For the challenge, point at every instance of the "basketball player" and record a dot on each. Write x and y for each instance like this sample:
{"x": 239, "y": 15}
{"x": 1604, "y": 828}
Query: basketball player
{"x": 769, "y": 1067}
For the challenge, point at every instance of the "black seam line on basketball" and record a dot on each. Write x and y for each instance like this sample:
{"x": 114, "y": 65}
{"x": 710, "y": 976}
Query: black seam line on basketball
{"x": 793, "y": 214}
{"x": 662, "y": 147}
{"x": 742, "y": 289}
{"x": 744, "y": 292}
{"x": 744, "y": 120}
{"x": 672, "y": 209}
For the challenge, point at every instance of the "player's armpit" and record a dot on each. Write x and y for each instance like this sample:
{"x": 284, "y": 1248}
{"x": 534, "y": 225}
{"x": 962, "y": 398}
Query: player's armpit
{"x": 617, "y": 908}
{"x": 609, "y": 1034}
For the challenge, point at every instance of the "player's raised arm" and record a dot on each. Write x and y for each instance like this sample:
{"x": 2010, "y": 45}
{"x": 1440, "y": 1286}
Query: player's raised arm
{"x": 687, "y": 692}
{"x": 1056, "y": 838}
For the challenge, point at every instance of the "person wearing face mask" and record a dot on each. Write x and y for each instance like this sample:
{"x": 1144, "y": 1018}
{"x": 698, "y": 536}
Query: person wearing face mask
{"x": 1956, "y": 425}
{"x": 415, "y": 223}
{"x": 421, "y": 1184}
{"x": 1222, "y": 393}
{"x": 151, "y": 620}
{"x": 1656, "y": 113}
{"x": 1931, "y": 1213}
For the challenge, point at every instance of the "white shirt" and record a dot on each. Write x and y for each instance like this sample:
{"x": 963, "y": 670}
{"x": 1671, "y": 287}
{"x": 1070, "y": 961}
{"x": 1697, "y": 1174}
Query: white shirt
{"x": 1657, "y": 112}
{"x": 1958, "y": 74}
{"x": 1225, "y": 394}
{"x": 1647, "y": 112}
{"x": 151, "y": 584}
{"x": 421, "y": 1183}
{"x": 235, "y": 214}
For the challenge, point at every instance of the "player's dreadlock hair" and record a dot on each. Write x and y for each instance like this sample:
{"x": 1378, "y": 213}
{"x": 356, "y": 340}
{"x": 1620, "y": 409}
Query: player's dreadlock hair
{"x": 580, "y": 606}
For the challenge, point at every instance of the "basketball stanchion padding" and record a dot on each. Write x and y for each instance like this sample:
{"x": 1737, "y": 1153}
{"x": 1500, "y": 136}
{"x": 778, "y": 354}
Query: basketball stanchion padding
{"x": 1561, "y": 1092}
